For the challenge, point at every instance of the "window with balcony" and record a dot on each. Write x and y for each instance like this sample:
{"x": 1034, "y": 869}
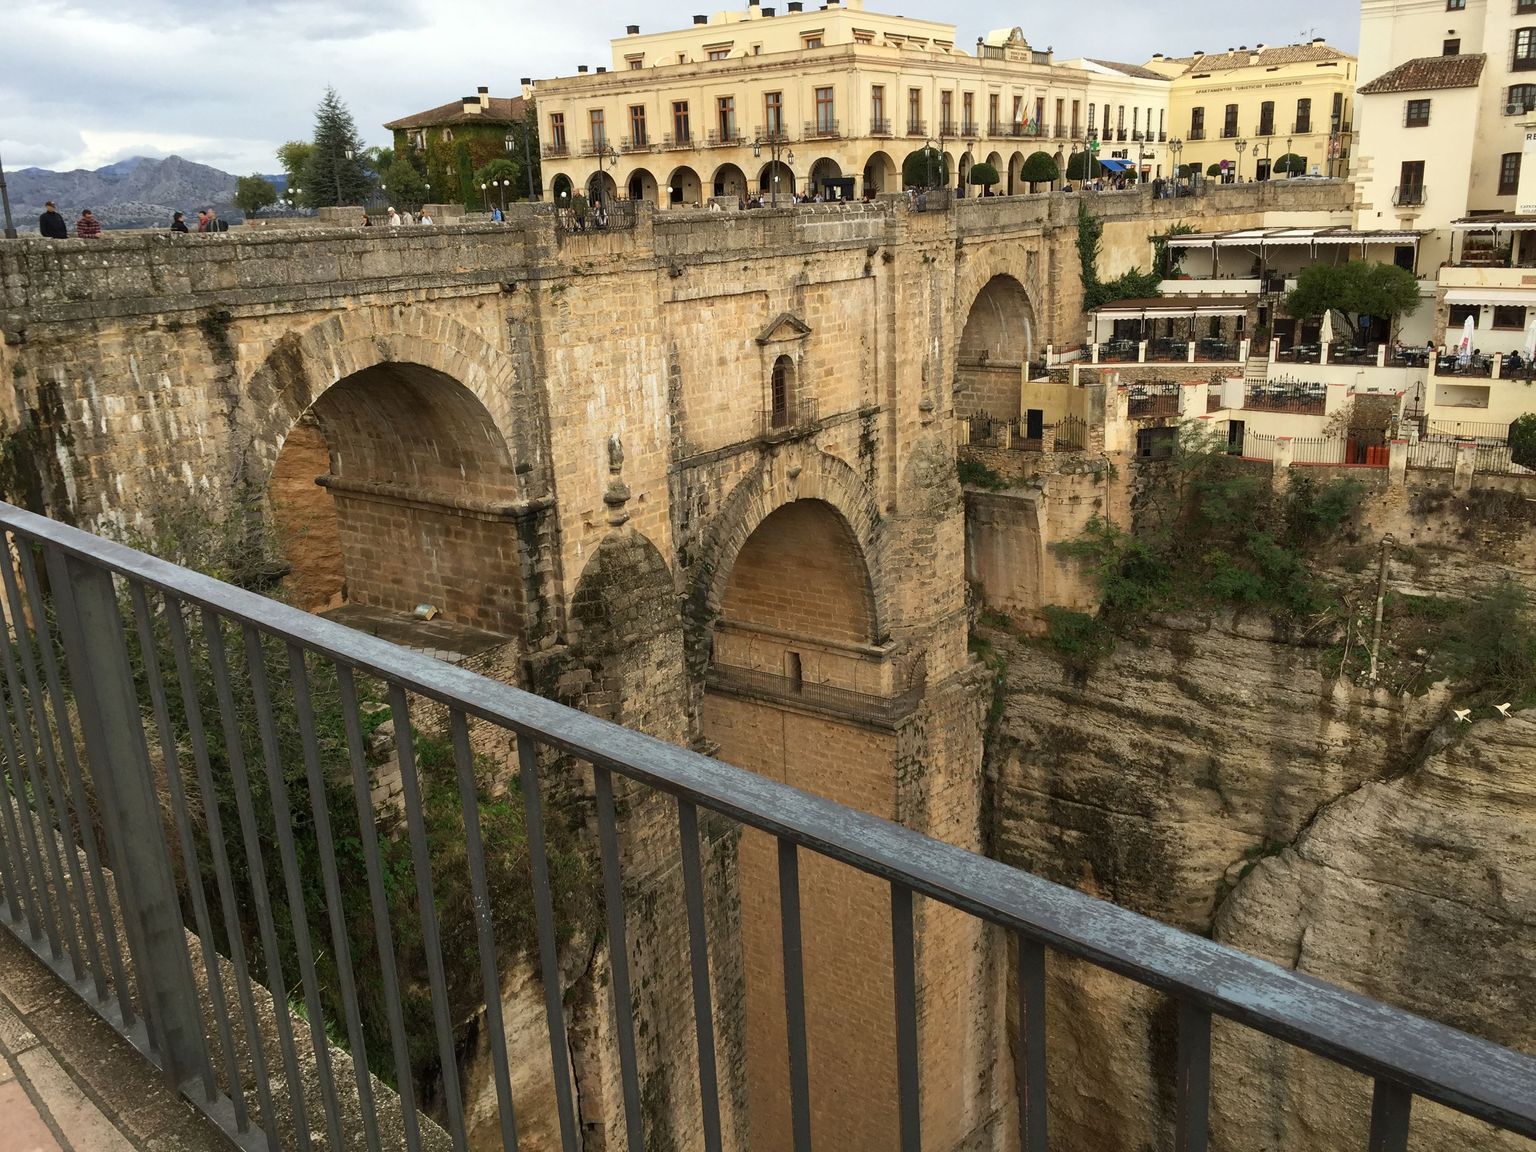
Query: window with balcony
{"x": 599, "y": 128}
{"x": 1410, "y": 184}
{"x": 994, "y": 114}
{"x": 1523, "y": 58}
{"x": 947, "y": 113}
{"x": 1509, "y": 316}
{"x": 725, "y": 117}
{"x": 1461, "y": 313}
{"x": 968, "y": 113}
{"x": 1450, "y": 48}
{"x": 637, "y": 137}
{"x": 1061, "y": 116}
{"x": 1509, "y": 173}
{"x": 878, "y": 124}
{"x": 1019, "y": 116}
{"x": 1229, "y": 123}
{"x": 1416, "y": 114}
{"x": 557, "y": 130}
{"x": 1077, "y": 118}
{"x": 773, "y": 113}
{"x": 1197, "y": 123}
{"x": 1039, "y": 115}
{"x": 1303, "y": 116}
{"x": 915, "y": 112}
{"x": 826, "y": 113}
{"x": 1267, "y": 118}
{"x": 1521, "y": 99}
{"x": 1092, "y": 127}
{"x": 682, "y": 130}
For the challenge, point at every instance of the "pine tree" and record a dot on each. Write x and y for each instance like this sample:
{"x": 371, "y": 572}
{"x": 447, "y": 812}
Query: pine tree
{"x": 333, "y": 178}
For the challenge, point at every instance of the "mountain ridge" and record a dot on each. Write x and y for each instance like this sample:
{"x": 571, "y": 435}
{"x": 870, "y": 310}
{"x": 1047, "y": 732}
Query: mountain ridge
{"x": 138, "y": 192}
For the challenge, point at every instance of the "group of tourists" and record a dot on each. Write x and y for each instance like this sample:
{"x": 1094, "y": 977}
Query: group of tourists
{"x": 52, "y": 226}
{"x": 398, "y": 219}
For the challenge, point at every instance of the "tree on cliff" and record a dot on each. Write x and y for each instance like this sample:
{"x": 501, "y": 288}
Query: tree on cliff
{"x": 1039, "y": 169}
{"x": 1352, "y": 290}
{"x": 252, "y": 194}
{"x": 984, "y": 174}
{"x": 338, "y": 166}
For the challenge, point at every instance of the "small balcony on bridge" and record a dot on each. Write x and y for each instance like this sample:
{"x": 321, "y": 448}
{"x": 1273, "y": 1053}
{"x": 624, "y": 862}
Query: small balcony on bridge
{"x": 307, "y": 874}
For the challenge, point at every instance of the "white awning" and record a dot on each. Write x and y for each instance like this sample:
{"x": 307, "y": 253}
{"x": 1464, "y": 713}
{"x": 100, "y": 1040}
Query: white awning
{"x": 1269, "y": 237}
{"x": 1524, "y": 296}
{"x": 1528, "y": 224}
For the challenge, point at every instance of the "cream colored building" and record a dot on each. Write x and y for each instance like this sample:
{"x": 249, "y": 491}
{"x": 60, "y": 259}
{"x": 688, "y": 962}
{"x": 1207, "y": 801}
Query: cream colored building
{"x": 842, "y": 95}
{"x": 1249, "y": 107}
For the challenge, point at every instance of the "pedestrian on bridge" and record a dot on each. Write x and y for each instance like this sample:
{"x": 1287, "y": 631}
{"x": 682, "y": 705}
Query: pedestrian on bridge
{"x": 51, "y": 224}
{"x": 87, "y": 227}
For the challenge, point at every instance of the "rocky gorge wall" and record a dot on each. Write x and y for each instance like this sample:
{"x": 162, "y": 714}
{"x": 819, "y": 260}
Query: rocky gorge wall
{"x": 1216, "y": 772}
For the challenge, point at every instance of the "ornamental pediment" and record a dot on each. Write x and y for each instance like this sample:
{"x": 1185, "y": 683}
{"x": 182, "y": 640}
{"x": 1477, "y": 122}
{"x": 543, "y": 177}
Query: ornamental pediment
{"x": 784, "y": 328}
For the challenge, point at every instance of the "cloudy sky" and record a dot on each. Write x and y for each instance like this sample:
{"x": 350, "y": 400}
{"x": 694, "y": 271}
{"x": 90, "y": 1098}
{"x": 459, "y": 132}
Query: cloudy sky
{"x": 224, "y": 82}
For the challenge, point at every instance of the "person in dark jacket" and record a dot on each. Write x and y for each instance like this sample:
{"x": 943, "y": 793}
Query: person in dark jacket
{"x": 51, "y": 224}
{"x": 178, "y": 223}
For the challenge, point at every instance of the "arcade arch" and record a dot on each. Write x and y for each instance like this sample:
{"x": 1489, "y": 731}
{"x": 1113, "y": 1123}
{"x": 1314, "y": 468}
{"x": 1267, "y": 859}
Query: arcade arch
{"x": 997, "y": 339}
{"x": 641, "y": 185}
{"x": 684, "y": 188}
{"x": 729, "y": 180}
{"x": 879, "y": 174}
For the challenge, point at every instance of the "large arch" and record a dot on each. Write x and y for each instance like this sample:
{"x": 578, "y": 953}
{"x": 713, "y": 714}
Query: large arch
{"x": 880, "y": 174}
{"x": 684, "y": 189}
{"x": 998, "y": 338}
{"x": 1015, "y": 179}
{"x": 641, "y": 185}
{"x": 601, "y": 187}
{"x": 561, "y": 186}
{"x": 822, "y": 170}
{"x": 728, "y": 180}
{"x": 785, "y": 188}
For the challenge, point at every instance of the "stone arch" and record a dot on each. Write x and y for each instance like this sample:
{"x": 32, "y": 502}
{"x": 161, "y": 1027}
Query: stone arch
{"x": 825, "y": 168}
{"x": 561, "y": 185}
{"x": 964, "y": 171}
{"x": 786, "y": 175}
{"x": 799, "y": 473}
{"x": 601, "y": 187}
{"x": 1015, "y": 180}
{"x": 997, "y": 340}
{"x": 880, "y": 174}
{"x": 641, "y": 185}
{"x": 686, "y": 188}
{"x": 728, "y": 180}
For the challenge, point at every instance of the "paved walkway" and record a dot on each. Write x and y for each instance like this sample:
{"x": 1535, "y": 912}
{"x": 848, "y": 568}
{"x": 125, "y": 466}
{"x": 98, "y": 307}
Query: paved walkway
{"x": 70, "y": 1083}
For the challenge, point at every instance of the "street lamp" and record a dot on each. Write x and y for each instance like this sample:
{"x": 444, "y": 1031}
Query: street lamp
{"x": 336, "y": 170}
{"x": 1176, "y": 149}
{"x": 1237, "y": 177}
{"x": 5, "y": 201}
{"x": 775, "y": 141}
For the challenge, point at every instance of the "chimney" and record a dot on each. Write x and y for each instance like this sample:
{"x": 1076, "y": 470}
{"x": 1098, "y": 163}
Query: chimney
{"x": 1197, "y": 53}
{"x": 485, "y": 96}
{"x": 1260, "y": 47}
{"x": 1157, "y": 55}
{"x": 768, "y": 13}
{"x": 701, "y": 19}
{"x": 581, "y": 68}
{"x": 471, "y": 104}
{"x": 796, "y": 6}
{"x": 632, "y": 29}
{"x": 1319, "y": 41}
{"x": 601, "y": 69}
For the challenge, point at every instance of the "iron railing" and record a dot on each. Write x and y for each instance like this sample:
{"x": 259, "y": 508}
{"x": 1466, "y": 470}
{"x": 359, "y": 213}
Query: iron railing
{"x": 1150, "y": 400}
{"x": 119, "y": 654}
{"x": 598, "y": 216}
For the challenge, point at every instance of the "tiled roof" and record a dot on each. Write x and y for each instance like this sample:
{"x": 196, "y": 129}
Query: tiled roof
{"x": 1130, "y": 69}
{"x": 1429, "y": 74}
{"x": 1269, "y": 57}
{"x": 502, "y": 109}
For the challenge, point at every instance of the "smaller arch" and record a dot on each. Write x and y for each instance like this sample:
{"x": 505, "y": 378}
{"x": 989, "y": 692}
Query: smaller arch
{"x": 786, "y": 175}
{"x": 1061, "y": 161}
{"x": 1015, "y": 181}
{"x": 641, "y": 185}
{"x": 781, "y": 392}
{"x": 684, "y": 187}
{"x": 729, "y": 180}
{"x": 561, "y": 186}
{"x": 601, "y": 188}
{"x": 826, "y": 177}
{"x": 879, "y": 174}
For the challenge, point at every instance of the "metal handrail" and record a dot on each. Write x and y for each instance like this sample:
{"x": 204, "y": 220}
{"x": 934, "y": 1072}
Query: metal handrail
{"x": 1407, "y": 1054}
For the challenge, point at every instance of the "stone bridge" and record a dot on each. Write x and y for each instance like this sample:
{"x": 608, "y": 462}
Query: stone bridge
{"x": 697, "y": 476}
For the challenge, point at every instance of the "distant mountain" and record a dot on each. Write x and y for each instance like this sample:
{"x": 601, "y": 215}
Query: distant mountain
{"x": 135, "y": 193}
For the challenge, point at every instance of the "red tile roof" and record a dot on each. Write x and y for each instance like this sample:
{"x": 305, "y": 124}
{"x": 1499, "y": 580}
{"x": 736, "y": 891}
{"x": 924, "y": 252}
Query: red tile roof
{"x": 1429, "y": 74}
{"x": 1270, "y": 56}
{"x": 502, "y": 110}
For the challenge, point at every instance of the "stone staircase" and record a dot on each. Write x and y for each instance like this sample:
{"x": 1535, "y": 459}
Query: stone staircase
{"x": 1256, "y": 368}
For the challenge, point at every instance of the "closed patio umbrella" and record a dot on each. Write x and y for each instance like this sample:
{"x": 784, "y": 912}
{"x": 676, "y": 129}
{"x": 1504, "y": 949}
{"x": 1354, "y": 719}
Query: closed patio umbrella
{"x": 1464, "y": 349}
{"x": 1325, "y": 337}
{"x": 1530, "y": 340}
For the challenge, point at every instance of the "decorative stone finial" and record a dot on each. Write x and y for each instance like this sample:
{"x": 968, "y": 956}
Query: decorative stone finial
{"x": 617, "y": 495}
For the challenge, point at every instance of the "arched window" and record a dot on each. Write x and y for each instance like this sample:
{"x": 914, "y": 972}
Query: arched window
{"x": 783, "y": 392}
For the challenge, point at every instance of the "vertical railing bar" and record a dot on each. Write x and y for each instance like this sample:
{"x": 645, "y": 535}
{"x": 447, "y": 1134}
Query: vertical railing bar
{"x": 490, "y": 976}
{"x": 794, "y": 995}
{"x": 549, "y": 962}
{"x": 16, "y": 735}
{"x": 39, "y": 713}
{"x": 1191, "y": 1129}
{"x": 698, "y": 961}
{"x": 298, "y": 914}
{"x": 1029, "y": 1057}
{"x": 70, "y": 625}
{"x": 197, "y": 738}
{"x": 194, "y": 880}
{"x": 76, "y": 782}
{"x": 379, "y": 902}
{"x": 421, "y": 856}
{"x": 320, "y": 812}
{"x": 219, "y": 659}
{"x": 904, "y": 959}
{"x": 1391, "y": 1105}
{"x": 16, "y": 858}
{"x": 618, "y": 955}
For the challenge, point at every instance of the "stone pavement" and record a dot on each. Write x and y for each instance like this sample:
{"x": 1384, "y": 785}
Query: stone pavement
{"x": 70, "y": 1083}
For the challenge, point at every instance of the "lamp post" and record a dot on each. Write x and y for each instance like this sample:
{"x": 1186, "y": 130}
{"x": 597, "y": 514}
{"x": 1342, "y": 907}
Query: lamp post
{"x": 1237, "y": 177}
{"x": 1290, "y": 162}
{"x": 5, "y": 202}
{"x": 507, "y": 143}
{"x": 609, "y": 153}
{"x": 427, "y": 197}
{"x": 1176, "y": 149}
{"x": 1256, "y": 159}
{"x": 774, "y": 138}
{"x": 935, "y": 158}
{"x": 336, "y": 169}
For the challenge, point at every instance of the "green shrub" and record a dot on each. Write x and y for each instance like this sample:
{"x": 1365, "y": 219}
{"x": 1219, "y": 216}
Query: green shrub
{"x": 1078, "y": 639}
{"x": 977, "y": 475}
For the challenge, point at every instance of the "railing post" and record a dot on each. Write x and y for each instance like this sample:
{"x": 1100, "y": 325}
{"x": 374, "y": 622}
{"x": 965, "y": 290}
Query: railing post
{"x": 113, "y": 733}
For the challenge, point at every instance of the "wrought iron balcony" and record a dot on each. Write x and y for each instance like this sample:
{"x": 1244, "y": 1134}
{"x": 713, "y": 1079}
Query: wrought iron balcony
{"x": 825, "y": 129}
{"x": 596, "y": 147}
{"x": 1195, "y": 134}
{"x": 917, "y": 127}
{"x": 1408, "y": 196}
{"x": 949, "y": 128}
{"x": 673, "y": 140}
{"x": 198, "y": 731}
{"x": 556, "y": 149}
{"x": 723, "y": 138}
{"x": 637, "y": 143}
{"x": 879, "y": 127}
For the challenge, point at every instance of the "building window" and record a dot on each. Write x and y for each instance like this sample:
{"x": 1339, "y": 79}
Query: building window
{"x": 1019, "y": 117}
{"x": 877, "y": 119}
{"x": 447, "y": 135}
{"x": 1461, "y": 313}
{"x": 1509, "y": 316}
{"x": 915, "y": 125}
{"x": 968, "y": 104}
{"x": 773, "y": 113}
{"x": 947, "y": 113}
{"x": 811, "y": 41}
{"x": 1120, "y": 118}
{"x": 1267, "y": 118}
{"x": 1450, "y": 48}
{"x": 1197, "y": 123}
{"x": 1303, "y": 117}
{"x": 994, "y": 111}
{"x": 1455, "y": 5}
{"x": 557, "y": 129}
{"x": 1039, "y": 115}
{"x": 681, "y": 131}
{"x": 1509, "y": 173}
{"x": 1417, "y": 114}
{"x": 826, "y": 113}
{"x": 1525, "y": 50}
{"x": 1077, "y": 118}
{"x": 1522, "y": 98}
{"x": 599, "y": 130}
{"x": 637, "y": 126}
{"x": 719, "y": 53}
{"x": 1410, "y": 183}
{"x": 1229, "y": 123}
{"x": 725, "y": 116}
{"x": 783, "y": 387}
{"x": 1061, "y": 114}
{"x": 1092, "y": 128}
{"x": 1523, "y": 7}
